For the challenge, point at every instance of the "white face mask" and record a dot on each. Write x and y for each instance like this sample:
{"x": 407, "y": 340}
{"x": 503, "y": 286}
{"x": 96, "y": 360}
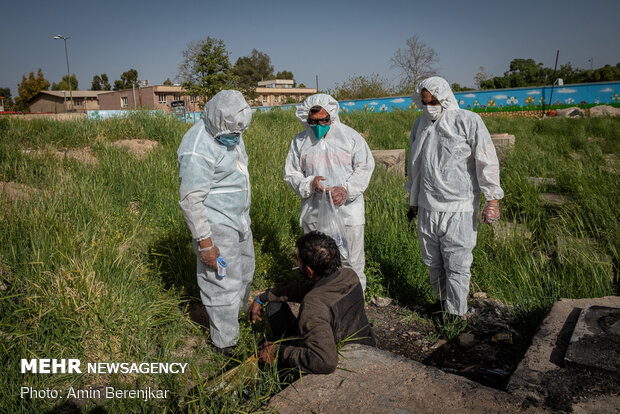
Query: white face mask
{"x": 432, "y": 112}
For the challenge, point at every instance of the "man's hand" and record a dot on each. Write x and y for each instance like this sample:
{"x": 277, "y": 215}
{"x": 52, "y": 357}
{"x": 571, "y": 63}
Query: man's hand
{"x": 210, "y": 253}
{"x": 316, "y": 186}
{"x": 412, "y": 213}
{"x": 254, "y": 313}
{"x": 339, "y": 195}
{"x": 267, "y": 353}
{"x": 490, "y": 212}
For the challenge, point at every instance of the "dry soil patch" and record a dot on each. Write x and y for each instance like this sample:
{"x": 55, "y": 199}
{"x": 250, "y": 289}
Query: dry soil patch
{"x": 139, "y": 147}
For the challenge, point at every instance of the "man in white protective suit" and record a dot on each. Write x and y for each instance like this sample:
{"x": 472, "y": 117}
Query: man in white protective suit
{"x": 451, "y": 161}
{"x": 215, "y": 200}
{"x": 329, "y": 155}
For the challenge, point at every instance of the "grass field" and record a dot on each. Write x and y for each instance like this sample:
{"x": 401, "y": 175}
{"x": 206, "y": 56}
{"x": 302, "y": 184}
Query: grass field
{"x": 96, "y": 260}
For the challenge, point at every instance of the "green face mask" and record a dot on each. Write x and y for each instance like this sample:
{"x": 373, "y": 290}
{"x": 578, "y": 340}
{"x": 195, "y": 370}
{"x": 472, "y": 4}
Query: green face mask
{"x": 319, "y": 130}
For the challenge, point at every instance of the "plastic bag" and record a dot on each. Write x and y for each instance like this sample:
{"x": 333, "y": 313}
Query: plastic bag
{"x": 331, "y": 223}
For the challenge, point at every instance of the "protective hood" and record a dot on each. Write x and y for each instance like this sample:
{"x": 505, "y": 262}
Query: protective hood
{"x": 227, "y": 113}
{"x": 320, "y": 99}
{"x": 440, "y": 89}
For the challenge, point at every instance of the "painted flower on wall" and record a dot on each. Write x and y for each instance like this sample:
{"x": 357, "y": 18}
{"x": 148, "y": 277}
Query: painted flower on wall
{"x": 369, "y": 108}
{"x": 383, "y": 108}
{"x": 491, "y": 103}
{"x": 615, "y": 98}
{"x": 512, "y": 101}
{"x": 344, "y": 109}
{"x": 476, "y": 104}
{"x": 569, "y": 101}
{"x": 530, "y": 100}
{"x": 413, "y": 106}
{"x": 461, "y": 102}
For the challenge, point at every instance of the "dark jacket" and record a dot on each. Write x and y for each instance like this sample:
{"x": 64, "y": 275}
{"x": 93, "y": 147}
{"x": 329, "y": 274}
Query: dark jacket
{"x": 332, "y": 310}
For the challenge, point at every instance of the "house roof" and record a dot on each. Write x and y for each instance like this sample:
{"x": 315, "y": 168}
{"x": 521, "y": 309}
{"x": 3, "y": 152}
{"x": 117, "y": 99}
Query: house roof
{"x": 75, "y": 94}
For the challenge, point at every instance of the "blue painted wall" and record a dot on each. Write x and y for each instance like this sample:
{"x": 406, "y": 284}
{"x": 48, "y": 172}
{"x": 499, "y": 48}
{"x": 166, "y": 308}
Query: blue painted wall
{"x": 588, "y": 93}
{"x": 576, "y": 94}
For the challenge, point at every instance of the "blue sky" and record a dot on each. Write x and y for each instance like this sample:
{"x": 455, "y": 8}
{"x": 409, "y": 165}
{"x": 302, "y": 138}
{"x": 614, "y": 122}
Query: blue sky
{"x": 331, "y": 39}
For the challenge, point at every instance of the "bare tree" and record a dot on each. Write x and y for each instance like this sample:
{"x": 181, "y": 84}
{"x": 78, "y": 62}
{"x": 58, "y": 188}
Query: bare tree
{"x": 415, "y": 61}
{"x": 481, "y": 76}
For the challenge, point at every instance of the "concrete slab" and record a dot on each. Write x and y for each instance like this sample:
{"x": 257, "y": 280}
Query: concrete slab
{"x": 392, "y": 160}
{"x": 543, "y": 364}
{"x": 372, "y": 380}
{"x": 503, "y": 143}
{"x": 504, "y": 231}
{"x": 542, "y": 181}
{"x": 596, "y": 339}
{"x": 554, "y": 200}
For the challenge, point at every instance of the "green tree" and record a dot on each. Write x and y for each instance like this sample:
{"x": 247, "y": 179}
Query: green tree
{"x": 127, "y": 80}
{"x": 206, "y": 68}
{"x": 251, "y": 69}
{"x": 526, "y": 72}
{"x": 28, "y": 88}
{"x": 361, "y": 87}
{"x": 302, "y": 85}
{"x": 458, "y": 88}
{"x": 63, "y": 85}
{"x": 100, "y": 83}
{"x": 8, "y": 101}
{"x": 168, "y": 82}
{"x": 285, "y": 74}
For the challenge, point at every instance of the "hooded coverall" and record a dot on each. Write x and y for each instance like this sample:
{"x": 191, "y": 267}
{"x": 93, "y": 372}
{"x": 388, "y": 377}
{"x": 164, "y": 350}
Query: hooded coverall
{"x": 215, "y": 200}
{"x": 450, "y": 162}
{"x": 342, "y": 156}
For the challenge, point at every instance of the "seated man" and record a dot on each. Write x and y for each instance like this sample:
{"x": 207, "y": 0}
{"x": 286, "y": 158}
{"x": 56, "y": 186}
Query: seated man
{"x": 332, "y": 309}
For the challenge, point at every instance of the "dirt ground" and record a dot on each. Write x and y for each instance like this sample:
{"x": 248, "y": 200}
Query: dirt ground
{"x": 480, "y": 358}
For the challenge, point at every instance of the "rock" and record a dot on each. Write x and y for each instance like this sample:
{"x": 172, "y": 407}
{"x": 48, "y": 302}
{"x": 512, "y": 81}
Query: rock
{"x": 438, "y": 344}
{"x": 604, "y": 110}
{"x": 554, "y": 200}
{"x": 572, "y": 112}
{"x": 466, "y": 340}
{"x": 539, "y": 181}
{"x": 392, "y": 160}
{"x": 381, "y": 302}
{"x": 480, "y": 295}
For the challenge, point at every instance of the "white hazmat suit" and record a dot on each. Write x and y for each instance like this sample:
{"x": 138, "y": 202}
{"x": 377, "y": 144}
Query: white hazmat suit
{"x": 215, "y": 200}
{"x": 342, "y": 156}
{"x": 451, "y": 160}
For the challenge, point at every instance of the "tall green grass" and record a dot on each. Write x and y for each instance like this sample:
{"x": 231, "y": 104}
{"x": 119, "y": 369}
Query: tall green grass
{"x": 96, "y": 262}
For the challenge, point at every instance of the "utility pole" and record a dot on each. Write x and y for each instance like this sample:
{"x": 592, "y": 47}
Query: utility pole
{"x": 68, "y": 72}
{"x": 317, "y": 83}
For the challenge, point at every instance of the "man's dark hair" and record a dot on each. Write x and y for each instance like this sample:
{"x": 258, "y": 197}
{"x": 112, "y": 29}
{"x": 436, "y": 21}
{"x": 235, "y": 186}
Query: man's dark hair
{"x": 319, "y": 252}
{"x": 315, "y": 109}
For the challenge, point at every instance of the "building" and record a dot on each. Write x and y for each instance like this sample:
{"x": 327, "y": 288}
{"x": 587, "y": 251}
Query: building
{"x": 276, "y": 92}
{"x": 60, "y": 101}
{"x": 152, "y": 97}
